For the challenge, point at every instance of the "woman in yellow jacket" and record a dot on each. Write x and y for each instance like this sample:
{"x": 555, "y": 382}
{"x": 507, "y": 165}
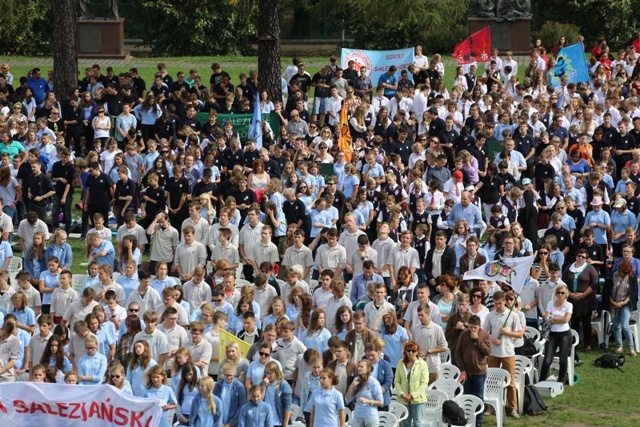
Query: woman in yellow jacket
{"x": 412, "y": 379}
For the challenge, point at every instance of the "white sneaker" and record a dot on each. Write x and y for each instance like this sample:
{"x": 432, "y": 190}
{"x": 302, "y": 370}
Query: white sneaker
{"x": 514, "y": 413}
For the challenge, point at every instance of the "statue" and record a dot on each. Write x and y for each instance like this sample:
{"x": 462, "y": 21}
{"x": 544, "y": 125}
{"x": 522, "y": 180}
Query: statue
{"x": 110, "y": 8}
{"x": 485, "y": 9}
{"x": 509, "y": 10}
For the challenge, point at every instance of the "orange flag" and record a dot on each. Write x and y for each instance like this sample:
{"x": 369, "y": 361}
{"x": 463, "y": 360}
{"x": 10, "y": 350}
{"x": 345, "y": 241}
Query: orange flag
{"x": 344, "y": 141}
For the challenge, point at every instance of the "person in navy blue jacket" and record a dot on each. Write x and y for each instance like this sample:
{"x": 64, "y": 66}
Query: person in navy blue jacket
{"x": 232, "y": 394}
{"x": 382, "y": 372}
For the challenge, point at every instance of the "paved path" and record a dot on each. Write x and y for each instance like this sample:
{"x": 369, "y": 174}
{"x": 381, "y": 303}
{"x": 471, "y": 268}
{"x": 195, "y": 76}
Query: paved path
{"x": 180, "y": 63}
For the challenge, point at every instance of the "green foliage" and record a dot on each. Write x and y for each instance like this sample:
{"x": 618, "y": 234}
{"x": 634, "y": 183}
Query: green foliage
{"x": 443, "y": 42}
{"x": 551, "y": 32}
{"x": 25, "y": 27}
{"x": 377, "y": 24}
{"x": 197, "y": 27}
{"x": 616, "y": 21}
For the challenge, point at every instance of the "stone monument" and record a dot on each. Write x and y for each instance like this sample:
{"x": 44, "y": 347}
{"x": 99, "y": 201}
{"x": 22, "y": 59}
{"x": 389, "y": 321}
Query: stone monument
{"x": 510, "y": 22}
{"x": 100, "y": 37}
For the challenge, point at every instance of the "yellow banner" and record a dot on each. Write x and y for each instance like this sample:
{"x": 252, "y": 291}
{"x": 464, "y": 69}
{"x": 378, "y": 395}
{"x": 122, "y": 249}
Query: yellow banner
{"x": 226, "y": 338}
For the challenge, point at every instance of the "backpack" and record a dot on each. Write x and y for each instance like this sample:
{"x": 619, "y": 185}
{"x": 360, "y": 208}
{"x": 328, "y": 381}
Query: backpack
{"x": 610, "y": 361}
{"x": 453, "y": 414}
{"x": 533, "y": 402}
{"x": 528, "y": 349}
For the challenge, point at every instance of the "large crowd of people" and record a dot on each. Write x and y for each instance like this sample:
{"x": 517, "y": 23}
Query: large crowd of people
{"x": 346, "y": 285}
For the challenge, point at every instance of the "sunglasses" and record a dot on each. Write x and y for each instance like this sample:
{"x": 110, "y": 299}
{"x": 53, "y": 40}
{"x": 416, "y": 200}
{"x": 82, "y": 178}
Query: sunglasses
{"x": 580, "y": 256}
{"x": 476, "y": 297}
{"x": 100, "y": 112}
{"x": 165, "y": 152}
{"x": 560, "y": 293}
{"x": 116, "y": 376}
{"x": 544, "y": 253}
{"x": 265, "y": 354}
{"x": 509, "y": 299}
{"x": 411, "y": 351}
{"x": 134, "y": 310}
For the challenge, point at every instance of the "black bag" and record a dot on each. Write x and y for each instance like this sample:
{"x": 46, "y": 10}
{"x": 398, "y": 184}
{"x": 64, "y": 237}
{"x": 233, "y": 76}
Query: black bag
{"x": 610, "y": 361}
{"x": 533, "y": 403}
{"x": 528, "y": 349}
{"x": 453, "y": 414}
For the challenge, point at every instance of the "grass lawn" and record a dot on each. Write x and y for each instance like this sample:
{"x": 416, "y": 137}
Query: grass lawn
{"x": 601, "y": 398}
{"x": 234, "y": 66}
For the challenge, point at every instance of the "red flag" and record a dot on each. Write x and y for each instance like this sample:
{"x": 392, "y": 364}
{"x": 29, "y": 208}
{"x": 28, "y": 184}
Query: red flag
{"x": 477, "y": 47}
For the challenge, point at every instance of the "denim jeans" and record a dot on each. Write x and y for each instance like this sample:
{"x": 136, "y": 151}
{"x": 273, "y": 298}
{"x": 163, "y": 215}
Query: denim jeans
{"x": 556, "y": 339}
{"x": 416, "y": 415}
{"x": 621, "y": 324}
{"x": 474, "y": 385}
{"x": 364, "y": 422}
{"x": 66, "y": 210}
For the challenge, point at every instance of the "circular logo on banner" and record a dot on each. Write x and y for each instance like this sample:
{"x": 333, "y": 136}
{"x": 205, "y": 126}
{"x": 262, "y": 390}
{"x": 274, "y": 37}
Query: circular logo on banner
{"x": 360, "y": 58}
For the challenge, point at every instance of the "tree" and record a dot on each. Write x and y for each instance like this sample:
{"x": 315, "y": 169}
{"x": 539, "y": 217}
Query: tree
{"x": 25, "y": 27}
{"x": 196, "y": 27}
{"x": 269, "y": 48}
{"x": 65, "y": 53}
{"x": 389, "y": 24}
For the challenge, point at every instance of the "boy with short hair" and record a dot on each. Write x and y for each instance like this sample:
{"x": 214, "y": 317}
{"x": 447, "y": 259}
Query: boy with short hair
{"x": 199, "y": 348}
{"x": 288, "y": 349}
{"x": 76, "y": 344}
{"x": 63, "y": 295}
{"x": 504, "y": 330}
{"x": 33, "y": 296}
{"x": 116, "y": 314}
{"x": 157, "y": 341}
{"x": 547, "y": 289}
{"x": 39, "y": 341}
{"x": 250, "y": 332}
{"x": 430, "y": 338}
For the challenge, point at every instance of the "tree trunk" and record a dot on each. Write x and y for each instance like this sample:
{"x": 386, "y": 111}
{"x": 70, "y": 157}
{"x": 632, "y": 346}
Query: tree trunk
{"x": 65, "y": 53}
{"x": 269, "y": 72}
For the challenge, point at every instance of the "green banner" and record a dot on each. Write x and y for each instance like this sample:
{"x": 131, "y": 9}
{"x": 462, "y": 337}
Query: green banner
{"x": 494, "y": 148}
{"x": 242, "y": 123}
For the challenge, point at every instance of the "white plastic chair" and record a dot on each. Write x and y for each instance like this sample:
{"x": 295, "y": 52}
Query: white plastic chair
{"x": 472, "y": 407}
{"x": 298, "y": 424}
{"x": 571, "y": 369}
{"x": 78, "y": 281}
{"x": 451, "y": 388}
{"x": 399, "y": 410}
{"x": 433, "y": 407}
{"x": 240, "y": 283}
{"x": 536, "y": 358}
{"x": 635, "y": 330}
{"x": 387, "y": 419}
{"x": 394, "y": 395}
{"x": 348, "y": 415}
{"x": 497, "y": 380}
{"x": 602, "y": 324}
{"x": 449, "y": 372}
{"x": 445, "y": 357}
{"x": 523, "y": 366}
{"x": 531, "y": 332}
{"x": 14, "y": 267}
{"x": 296, "y": 412}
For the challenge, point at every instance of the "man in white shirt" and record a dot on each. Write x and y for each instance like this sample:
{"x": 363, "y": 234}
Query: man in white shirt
{"x": 375, "y": 307}
{"x": 250, "y": 236}
{"x": 299, "y": 254}
{"x": 403, "y": 255}
{"x": 419, "y": 60}
{"x": 504, "y": 330}
{"x": 332, "y": 255}
{"x": 176, "y": 335}
{"x": 349, "y": 240}
{"x": 430, "y": 338}
{"x": 510, "y": 62}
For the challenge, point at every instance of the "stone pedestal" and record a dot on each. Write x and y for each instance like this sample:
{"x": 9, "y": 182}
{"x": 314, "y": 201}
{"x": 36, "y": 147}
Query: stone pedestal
{"x": 506, "y": 35}
{"x": 101, "y": 38}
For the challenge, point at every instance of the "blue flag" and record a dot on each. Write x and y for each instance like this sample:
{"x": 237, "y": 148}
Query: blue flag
{"x": 255, "y": 131}
{"x": 571, "y": 63}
